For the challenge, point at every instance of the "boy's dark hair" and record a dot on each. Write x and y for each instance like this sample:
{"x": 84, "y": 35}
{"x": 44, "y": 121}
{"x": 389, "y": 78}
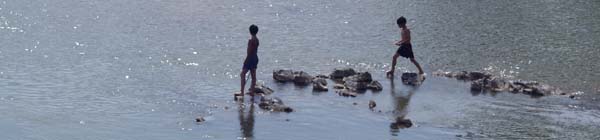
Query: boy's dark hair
{"x": 401, "y": 21}
{"x": 253, "y": 29}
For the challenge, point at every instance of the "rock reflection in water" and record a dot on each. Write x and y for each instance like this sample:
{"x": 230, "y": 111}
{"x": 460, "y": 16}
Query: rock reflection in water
{"x": 400, "y": 102}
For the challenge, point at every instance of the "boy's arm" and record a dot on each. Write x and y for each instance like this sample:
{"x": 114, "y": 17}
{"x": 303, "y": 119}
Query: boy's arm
{"x": 405, "y": 37}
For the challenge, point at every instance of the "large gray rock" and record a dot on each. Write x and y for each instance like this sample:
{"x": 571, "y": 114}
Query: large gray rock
{"x": 358, "y": 82}
{"x": 274, "y": 104}
{"x": 283, "y": 75}
{"x": 339, "y": 73}
{"x": 412, "y": 79}
{"x": 320, "y": 84}
{"x": 302, "y": 78}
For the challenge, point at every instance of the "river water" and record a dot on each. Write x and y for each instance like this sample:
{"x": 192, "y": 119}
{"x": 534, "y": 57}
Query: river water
{"x": 124, "y": 69}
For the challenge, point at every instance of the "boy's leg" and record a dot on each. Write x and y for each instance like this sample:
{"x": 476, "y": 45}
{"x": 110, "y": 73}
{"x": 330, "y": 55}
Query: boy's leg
{"x": 417, "y": 64}
{"x": 243, "y": 80}
{"x": 253, "y": 75}
{"x": 393, "y": 68}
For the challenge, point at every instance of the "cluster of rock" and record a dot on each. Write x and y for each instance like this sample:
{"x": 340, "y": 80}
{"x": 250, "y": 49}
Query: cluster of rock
{"x": 300, "y": 78}
{"x": 349, "y": 82}
{"x": 481, "y": 81}
{"x": 274, "y": 104}
{"x": 269, "y": 103}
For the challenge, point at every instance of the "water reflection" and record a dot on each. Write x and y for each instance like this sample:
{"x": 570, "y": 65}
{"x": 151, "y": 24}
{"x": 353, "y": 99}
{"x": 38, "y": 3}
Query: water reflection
{"x": 400, "y": 102}
{"x": 246, "y": 120}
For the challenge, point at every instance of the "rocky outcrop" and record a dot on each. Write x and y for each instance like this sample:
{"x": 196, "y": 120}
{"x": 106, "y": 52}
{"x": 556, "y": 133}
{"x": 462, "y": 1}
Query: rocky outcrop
{"x": 412, "y": 79}
{"x": 274, "y": 104}
{"x": 339, "y": 73}
{"x": 482, "y": 82}
{"x": 320, "y": 84}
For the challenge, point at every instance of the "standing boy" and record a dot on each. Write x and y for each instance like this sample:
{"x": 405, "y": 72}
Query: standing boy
{"x": 405, "y": 49}
{"x": 251, "y": 61}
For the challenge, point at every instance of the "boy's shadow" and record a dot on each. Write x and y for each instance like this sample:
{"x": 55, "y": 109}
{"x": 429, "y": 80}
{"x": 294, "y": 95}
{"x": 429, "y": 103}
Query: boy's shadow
{"x": 246, "y": 119}
{"x": 400, "y": 102}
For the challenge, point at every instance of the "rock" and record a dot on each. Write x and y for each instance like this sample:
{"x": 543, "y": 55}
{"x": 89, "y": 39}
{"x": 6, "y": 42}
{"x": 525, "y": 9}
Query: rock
{"x": 354, "y": 103}
{"x": 477, "y": 85}
{"x": 339, "y": 73}
{"x": 359, "y": 77}
{"x": 358, "y": 82}
{"x": 475, "y": 75}
{"x": 497, "y": 85}
{"x": 401, "y": 123}
{"x": 274, "y": 104}
{"x": 322, "y": 76}
{"x": 283, "y": 75}
{"x": 262, "y": 89}
{"x": 302, "y": 78}
{"x": 375, "y": 85}
{"x": 338, "y": 86}
{"x": 545, "y": 90}
{"x": 411, "y": 79}
{"x": 372, "y": 104}
{"x": 346, "y": 93}
{"x": 200, "y": 119}
{"x": 319, "y": 84}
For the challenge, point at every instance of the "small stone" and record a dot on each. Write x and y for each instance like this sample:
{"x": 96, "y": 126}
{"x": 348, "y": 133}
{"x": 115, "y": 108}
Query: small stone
{"x": 354, "y": 103}
{"x": 346, "y": 93}
{"x": 200, "y": 119}
{"x": 339, "y": 86}
{"x": 372, "y": 104}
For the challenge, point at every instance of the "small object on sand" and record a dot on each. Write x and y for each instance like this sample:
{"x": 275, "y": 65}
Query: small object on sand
{"x": 354, "y": 103}
{"x": 200, "y": 119}
{"x": 372, "y": 104}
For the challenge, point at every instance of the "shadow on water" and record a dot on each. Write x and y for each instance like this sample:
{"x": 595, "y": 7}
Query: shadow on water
{"x": 246, "y": 120}
{"x": 400, "y": 102}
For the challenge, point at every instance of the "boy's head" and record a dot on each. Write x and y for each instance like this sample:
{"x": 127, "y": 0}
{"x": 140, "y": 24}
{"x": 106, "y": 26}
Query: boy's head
{"x": 253, "y": 29}
{"x": 401, "y": 21}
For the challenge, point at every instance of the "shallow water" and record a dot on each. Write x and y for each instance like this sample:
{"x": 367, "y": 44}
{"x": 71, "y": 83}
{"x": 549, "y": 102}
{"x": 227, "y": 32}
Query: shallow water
{"x": 145, "y": 69}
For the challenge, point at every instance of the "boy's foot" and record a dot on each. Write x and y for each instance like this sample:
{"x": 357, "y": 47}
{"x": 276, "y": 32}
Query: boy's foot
{"x": 238, "y": 95}
{"x": 389, "y": 74}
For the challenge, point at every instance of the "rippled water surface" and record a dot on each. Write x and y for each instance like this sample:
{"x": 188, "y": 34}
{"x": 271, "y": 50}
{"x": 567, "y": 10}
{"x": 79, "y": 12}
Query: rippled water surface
{"x": 124, "y": 69}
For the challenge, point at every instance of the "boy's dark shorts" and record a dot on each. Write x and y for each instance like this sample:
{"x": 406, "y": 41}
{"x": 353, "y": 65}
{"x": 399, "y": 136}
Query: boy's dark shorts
{"x": 251, "y": 63}
{"x": 405, "y": 50}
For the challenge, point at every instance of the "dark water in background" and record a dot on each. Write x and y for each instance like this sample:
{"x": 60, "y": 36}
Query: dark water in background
{"x": 145, "y": 69}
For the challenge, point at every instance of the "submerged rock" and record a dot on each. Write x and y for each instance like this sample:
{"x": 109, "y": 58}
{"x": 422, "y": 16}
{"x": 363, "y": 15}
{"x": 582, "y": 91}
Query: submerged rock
{"x": 274, "y": 104}
{"x": 302, "y": 78}
{"x": 283, "y": 75}
{"x": 412, "y": 79}
{"x": 319, "y": 84}
{"x": 339, "y": 73}
{"x": 372, "y": 104}
{"x": 322, "y": 76}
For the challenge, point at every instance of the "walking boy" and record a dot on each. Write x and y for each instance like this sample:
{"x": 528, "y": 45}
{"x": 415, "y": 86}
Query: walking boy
{"x": 405, "y": 49}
